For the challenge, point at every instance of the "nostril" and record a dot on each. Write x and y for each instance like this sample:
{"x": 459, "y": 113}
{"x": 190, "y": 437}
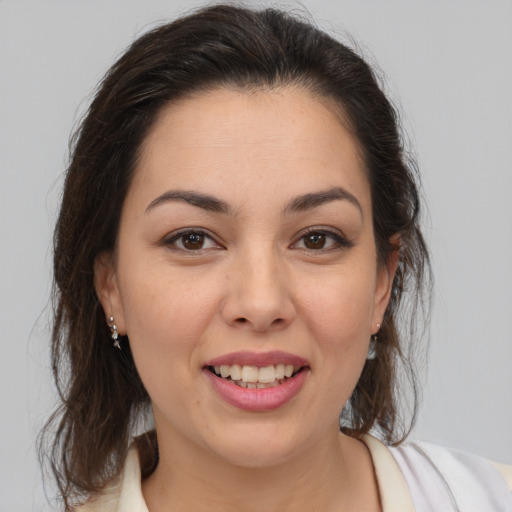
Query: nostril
{"x": 261, "y": 325}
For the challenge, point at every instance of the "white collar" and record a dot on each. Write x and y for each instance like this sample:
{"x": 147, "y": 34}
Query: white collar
{"x": 393, "y": 489}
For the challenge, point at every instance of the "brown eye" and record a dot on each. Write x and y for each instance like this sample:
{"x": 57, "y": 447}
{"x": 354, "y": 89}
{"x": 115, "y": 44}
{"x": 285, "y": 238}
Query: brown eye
{"x": 193, "y": 241}
{"x": 322, "y": 241}
{"x": 315, "y": 241}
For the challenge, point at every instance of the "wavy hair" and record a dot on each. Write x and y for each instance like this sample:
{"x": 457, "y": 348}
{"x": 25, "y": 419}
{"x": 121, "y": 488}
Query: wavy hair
{"x": 233, "y": 47}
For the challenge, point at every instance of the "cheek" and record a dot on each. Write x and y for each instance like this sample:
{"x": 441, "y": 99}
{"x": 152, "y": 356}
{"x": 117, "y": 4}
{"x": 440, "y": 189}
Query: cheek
{"x": 165, "y": 319}
{"x": 158, "y": 301}
{"x": 338, "y": 314}
{"x": 340, "y": 308}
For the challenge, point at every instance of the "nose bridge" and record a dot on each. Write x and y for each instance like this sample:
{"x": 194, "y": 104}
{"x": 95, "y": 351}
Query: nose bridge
{"x": 260, "y": 294}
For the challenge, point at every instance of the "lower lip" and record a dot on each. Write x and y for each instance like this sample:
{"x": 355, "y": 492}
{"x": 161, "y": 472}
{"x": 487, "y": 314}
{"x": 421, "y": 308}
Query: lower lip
{"x": 257, "y": 400}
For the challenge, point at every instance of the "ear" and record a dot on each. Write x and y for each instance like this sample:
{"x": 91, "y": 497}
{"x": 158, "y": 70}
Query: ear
{"x": 385, "y": 276}
{"x": 107, "y": 290}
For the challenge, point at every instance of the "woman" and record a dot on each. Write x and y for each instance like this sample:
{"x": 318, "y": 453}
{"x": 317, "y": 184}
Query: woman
{"x": 238, "y": 229}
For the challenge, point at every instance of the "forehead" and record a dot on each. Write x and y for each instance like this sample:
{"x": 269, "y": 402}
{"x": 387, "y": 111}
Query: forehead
{"x": 225, "y": 142}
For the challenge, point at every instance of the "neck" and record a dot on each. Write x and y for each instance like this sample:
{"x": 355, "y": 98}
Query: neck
{"x": 334, "y": 475}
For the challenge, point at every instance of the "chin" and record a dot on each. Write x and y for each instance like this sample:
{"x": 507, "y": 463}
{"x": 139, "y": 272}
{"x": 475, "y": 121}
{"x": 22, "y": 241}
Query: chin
{"x": 254, "y": 457}
{"x": 261, "y": 448}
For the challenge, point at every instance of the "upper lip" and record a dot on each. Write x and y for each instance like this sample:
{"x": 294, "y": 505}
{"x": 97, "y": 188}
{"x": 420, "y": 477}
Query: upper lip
{"x": 260, "y": 359}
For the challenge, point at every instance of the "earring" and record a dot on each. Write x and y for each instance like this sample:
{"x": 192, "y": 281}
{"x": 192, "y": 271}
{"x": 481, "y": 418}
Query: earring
{"x": 115, "y": 334}
{"x": 372, "y": 350}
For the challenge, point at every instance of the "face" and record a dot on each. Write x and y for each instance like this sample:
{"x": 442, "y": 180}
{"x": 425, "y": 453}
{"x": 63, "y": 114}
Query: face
{"x": 246, "y": 259}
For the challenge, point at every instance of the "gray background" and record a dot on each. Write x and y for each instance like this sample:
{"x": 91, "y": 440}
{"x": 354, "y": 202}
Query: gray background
{"x": 449, "y": 65}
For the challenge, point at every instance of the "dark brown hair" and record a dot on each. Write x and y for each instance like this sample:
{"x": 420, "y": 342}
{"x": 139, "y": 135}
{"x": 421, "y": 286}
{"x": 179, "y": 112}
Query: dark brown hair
{"x": 221, "y": 46}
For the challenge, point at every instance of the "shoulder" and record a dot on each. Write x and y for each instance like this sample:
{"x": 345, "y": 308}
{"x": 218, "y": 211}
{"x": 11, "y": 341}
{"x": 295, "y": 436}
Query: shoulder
{"x": 123, "y": 494}
{"x": 437, "y": 476}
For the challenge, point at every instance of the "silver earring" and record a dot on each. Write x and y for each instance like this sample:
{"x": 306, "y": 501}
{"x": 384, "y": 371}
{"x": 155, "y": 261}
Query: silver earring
{"x": 372, "y": 349}
{"x": 113, "y": 330}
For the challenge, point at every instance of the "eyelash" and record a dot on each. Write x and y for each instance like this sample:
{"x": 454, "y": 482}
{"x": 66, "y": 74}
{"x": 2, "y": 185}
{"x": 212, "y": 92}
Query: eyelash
{"x": 171, "y": 240}
{"x": 340, "y": 242}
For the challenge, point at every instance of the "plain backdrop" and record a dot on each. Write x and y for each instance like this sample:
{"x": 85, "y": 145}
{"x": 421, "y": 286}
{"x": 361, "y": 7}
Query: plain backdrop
{"x": 449, "y": 65}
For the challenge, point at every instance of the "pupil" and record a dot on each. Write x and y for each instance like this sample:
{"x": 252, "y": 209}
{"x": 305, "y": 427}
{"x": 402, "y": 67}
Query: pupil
{"x": 193, "y": 241}
{"x": 315, "y": 241}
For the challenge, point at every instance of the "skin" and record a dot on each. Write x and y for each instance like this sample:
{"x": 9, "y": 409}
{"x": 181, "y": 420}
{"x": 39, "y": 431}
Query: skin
{"x": 257, "y": 283}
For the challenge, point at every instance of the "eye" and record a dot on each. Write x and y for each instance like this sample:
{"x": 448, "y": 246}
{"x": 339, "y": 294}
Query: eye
{"x": 191, "y": 240}
{"x": 321, "y": 240}
{"x": 315, "y": 240}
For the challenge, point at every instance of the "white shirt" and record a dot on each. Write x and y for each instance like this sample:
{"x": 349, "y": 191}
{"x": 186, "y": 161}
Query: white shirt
{"x": 422, "y": 477}
{"x": 413, "y": 477}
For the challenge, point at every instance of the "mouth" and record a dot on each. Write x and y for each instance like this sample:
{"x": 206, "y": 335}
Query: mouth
{"x": 256, "y": 377}
{"x": 257, "y": 382}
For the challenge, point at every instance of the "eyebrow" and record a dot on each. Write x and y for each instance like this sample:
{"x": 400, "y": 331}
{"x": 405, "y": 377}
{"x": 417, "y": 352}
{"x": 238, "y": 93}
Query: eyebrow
{"x": 204, "y": 201}
{"x": 297, "y": 204}
{"x": 315, "y": 199}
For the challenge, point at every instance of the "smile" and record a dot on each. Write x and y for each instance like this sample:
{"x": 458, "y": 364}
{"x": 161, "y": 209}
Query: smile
{"x": 257, "y": 382}
{"x": 252, "y": 377}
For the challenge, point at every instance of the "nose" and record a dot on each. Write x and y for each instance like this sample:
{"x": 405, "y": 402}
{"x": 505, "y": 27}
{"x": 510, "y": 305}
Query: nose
{"x": 259, "y": 296}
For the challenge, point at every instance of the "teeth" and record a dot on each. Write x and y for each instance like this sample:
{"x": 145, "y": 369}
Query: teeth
{"x": 236, "y": 372}
{"x": 288, "y": 370}
{"x": 267, "y": 374}
{"x": 250, "y": 374}
{"x": 256, "y": 385}
{"x": 252, "y": 377}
